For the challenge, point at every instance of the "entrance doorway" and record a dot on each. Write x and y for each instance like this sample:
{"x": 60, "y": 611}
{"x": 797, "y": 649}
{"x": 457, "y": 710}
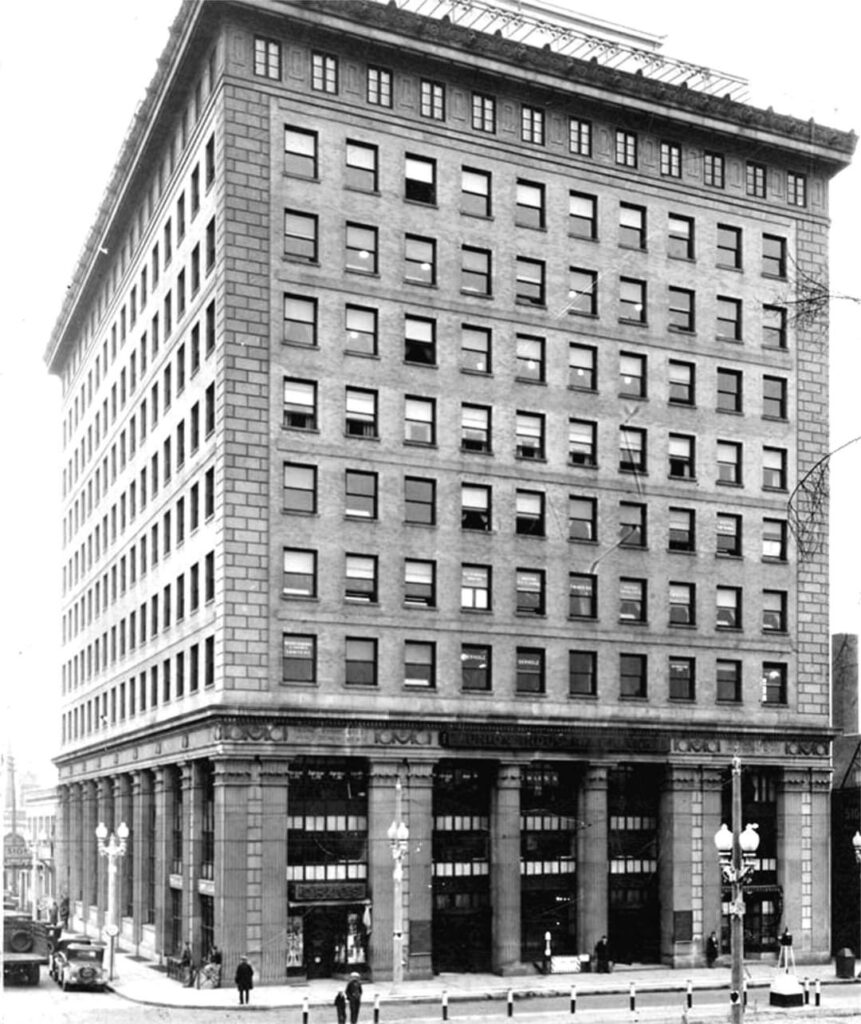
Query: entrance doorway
{"x": 326, "y": 941}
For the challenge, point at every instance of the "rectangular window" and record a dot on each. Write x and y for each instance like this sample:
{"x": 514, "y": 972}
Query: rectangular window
{"x": 728, "y": 534}
{"x": 420, "y": 180}
{"x": 419, "y": 583}
{"x": 582, "y": 291}
{"x": 419, "y": 421}
{"x": 773, "y": 256}
{"x": 300, "y": 404}
{"x": 632, "y": 600}
{"x": 483, "y": 113}
{"x": 475, "y": 349}
{"x": 361, "y": 166}
{"x": 298, "y": 658}
{"x": 755, "y": 180}
{"x": 300, "y": 573}
{"x": 774, "y": 397}
{"x": 728, "y": 608}
{"x": 728, "y": 680}
{"x": 475, "y": 589}
{"x": 713, "y": 169}
{"x": 532, "y": 125}
{"x": 475, "y": 270}
{"x": 682, "y": 457}
{"x": 582, "y": 367}
{"x": 324, "y": 73}
{"x": 379, "y": 87}
{"x": 774, "y": 611}
{"x": 774, "y": 539}
{"x": 360, "y": 579}
{"x": 267, "y": 58}
{"x": 475, "y": 507}
{"x": 774, "y": 326}
{"x": 728, "y": 318}
{"x": 632, "y": 524}
{"x": 529, "y": 281}
{"x": 300, "y": 236}
{"x": 419, "y": 260}
{"x": 729, "y": 390}
{"x": 729, "y": 467}
{"x": 729, "y": 249}
{"x": 774, "y": 469}
{"x": 475, "y": 192}
{"x": 529, "y": 205}
{"x": 432, "y": 100}
{"x": 300, "y": 152}
{"x": 582, "y": 518}
{"x": 626, "y": 148}
{"x": 360, "y": 661}
{"x": 582, "y": 673}
{"x": 682, "y": 602}
{"x": 796, "y": 189}
{"x": 361, "y": 249}
{"x": 582, "y": 443}
{"x": 632, "y": 450}
{"x": 360, "y": 494}
{"x": 582, "y": 215}
{"x": 632, "y": 300}
{"x": 529, "y": 513}
{"x": 773, "y": 683}
{"x": 419, "y": 501}
{"x": 475, "y": 667}
{"x": 360, "y": 330}
{"x": 360, "y": 410}
{"x": 632, "y": 226}
{"x": 475, "y": 434}
{"x": 529, "y": 676}
{"x": 681, "y": 383}
{"x": 681, "y": 529}
{"x": 671, "y": 159}
{"x": 681, "y": 309}
{"x": 300, "y": 488}
{"x": 579, "y": 136}
{"x": 682, "y": 679}
{"x": 529, "y": 352}
{"x": 419, "y": 664}
{"x": 680, "y": 237}
{"x": 300, "y": 320}
{"x": 582, "y": 595}
{"x": 632, "y": 675}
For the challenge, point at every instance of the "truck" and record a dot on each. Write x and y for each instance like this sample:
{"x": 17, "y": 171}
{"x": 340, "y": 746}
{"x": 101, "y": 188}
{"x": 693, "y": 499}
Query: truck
{"x": 25, "y": 948}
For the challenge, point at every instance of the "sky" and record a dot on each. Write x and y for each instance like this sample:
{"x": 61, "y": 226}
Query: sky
{"x": 63, "y": 117}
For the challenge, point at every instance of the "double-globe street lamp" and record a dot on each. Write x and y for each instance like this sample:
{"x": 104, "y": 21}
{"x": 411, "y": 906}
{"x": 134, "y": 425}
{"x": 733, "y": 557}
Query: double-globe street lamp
{"x": 399, "y": 837}
{"x": 737, "y": 852}
{"x": 112, "y": 846}
{"x": 856, "y": 846}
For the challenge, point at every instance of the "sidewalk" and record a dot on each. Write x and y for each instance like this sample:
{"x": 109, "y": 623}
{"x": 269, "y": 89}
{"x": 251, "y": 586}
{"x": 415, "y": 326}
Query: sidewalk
{"x": 142, "y": 981}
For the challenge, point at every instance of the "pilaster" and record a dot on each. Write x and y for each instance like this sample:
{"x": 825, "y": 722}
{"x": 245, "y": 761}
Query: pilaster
{"x": 382, "y": 781}
{"x": 592, "y": 887}
{"x": 232, "y": 782}
{"x": 680, "y": 863}
{"x": 505, "y": 870}
{"x": 419, "y": 862}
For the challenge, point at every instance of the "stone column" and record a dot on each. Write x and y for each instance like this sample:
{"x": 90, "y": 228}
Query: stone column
{"x": 192, "y": 827}
{"x": 105, "y": 815}
{"x": 680, "y": 865}
{"x": 90, "y": 851}
{"x": 505, "y": 870}
{"x": 232, "y": 784}
{"x": 592, "y": 870}
{"x": 141, "y": 796}
{"x": 163, "y": 794}
{"x": 382, "y": 779}
{"x": 712, "y": 787}
{"x": 418, "y": 870}
{"x": 76, "y": 852}
{"x": 274, "y": 801}
{"x": 125, "y": 865}
{"x": 62, "y": 841}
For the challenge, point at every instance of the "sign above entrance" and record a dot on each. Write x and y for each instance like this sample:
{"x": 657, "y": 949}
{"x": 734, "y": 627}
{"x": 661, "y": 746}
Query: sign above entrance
{"x": 317, "y": 892}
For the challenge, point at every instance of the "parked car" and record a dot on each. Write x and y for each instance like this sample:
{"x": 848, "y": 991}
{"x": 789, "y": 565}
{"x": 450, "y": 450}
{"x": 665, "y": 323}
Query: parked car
{"x": 79, "y": 962}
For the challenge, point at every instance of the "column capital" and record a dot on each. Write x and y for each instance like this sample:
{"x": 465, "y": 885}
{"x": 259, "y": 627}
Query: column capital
{"x": 596, "y": 776}
{"x": 795, "y": 780}
{"x": 682, "y": 777}
{"x": 382, "y": 773}
{"x": 712, "y": 779}
{"x": 420, "y": 774}
{"x": 272, "y": 773}
{"x": 233, "y": 772}
{"x": 508, "y": 776}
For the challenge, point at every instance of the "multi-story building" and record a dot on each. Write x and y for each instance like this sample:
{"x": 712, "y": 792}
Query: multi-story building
{"x": 433, "y": 400}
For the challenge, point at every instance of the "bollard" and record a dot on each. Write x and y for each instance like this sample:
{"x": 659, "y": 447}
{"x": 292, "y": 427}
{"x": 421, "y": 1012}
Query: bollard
{"x": 817, "y": 993}
{"x": 573, "y": 998}
{"x": 305, "y": 1010}
{"x": 690, "y": 994}
{"x": 806, "y": 993}
{"x": 444, "y": 1005}
{"x": 632, "y": 998}
{"x": 377, "y": 1008}
{"x": 510, "y": 1003}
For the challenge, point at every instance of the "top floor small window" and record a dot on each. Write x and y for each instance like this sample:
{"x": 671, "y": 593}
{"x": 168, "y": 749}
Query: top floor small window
{"x": 626, "y": 148}
{"x": 796, "y": 189}
{"x": 580, "y": 136}
{"x": 433, "y": 100}
{"x": 671, "y": 160}
{"x": 379, "y": 87}
{"x": 324, "y": 73}
{"x": 483, "y": 113}
{"x": 755, "y": 180}
{"x": 532, "y": 124}
{"x": 267, "y": 58}
{"x": 713, "y": 169}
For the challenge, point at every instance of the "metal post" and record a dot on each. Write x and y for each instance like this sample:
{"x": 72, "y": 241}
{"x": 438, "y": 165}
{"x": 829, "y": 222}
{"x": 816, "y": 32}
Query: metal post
{"x": 690, "y": 994}
{"x": 632, "y": 998}
{"x": 817, "y": 993}
{"x": 305, "y": 1010}
{"x": 573, "y": 998}
{"x": 510, "y": 1001}
{"x": 737, "y": 907}
{"x": 34, "y": 896}
{"x": 376, "y": 1008}
{"x": 806, "y": 993}
{"x": 444, "y": 1004}
{"x": 398, "y": 834}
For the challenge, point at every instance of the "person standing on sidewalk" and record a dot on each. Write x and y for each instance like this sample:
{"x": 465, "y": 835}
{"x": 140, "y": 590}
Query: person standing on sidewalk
{"x": 244, "y": 979}
{"x": 354, "y": 996}
{"x": 602, "y": 955}
{"x": 341, "y": 1007}
{"x": 711, "y": 949}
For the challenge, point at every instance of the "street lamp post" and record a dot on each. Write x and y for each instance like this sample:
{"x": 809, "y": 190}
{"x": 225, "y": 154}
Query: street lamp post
{"x": 856, "y": 846}
{"x": 113, "y": 847}
{"x": 399, "y": 836}
{"x": 737, "y": 851}
{"x": 38, "y": 850}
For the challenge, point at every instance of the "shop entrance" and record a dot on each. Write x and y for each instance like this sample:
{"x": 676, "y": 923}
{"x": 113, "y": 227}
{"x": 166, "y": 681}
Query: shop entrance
{"x": 326, "y": 941}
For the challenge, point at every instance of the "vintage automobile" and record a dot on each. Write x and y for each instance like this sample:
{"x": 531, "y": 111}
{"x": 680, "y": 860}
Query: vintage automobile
{"x": 78, "y": 962}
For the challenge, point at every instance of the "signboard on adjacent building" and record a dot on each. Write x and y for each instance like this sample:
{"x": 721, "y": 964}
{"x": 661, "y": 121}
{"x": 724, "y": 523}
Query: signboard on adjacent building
{"x": 16, "y": 852}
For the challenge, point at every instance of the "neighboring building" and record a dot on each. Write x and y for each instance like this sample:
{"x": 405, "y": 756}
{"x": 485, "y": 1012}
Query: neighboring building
{"x": 432, "y": 401}
{"x": 846, "y": 796}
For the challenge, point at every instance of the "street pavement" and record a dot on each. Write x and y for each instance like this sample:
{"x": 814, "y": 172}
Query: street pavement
{"x": 144, "y": 981}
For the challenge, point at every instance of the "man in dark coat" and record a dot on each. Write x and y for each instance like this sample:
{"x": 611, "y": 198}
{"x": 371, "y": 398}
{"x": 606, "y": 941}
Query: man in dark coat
{"x": 341, "y": 1007}
{"x": 602, "y": 955}
{"x": 244, "y": 979}
{"x": 711, "y": 949}
{"x": 354, "y": 996}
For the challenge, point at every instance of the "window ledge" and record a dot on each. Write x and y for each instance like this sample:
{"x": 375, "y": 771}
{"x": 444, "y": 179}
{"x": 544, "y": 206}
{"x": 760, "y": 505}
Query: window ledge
{"x": 729, "y": 412}
{"x": 361, "y": 355}
{"x": 362, "y": 191}
{"x": 582, "y": 696}
{"x": 682, "y": 551}
{"x": 300, "y": 261}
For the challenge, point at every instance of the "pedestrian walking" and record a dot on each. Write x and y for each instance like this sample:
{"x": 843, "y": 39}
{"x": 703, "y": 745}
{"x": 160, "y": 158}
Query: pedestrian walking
{"x": 244, "y": 979}
{"x": 711, "y": 949}
{"x": 64, "y": 911}
{"x": 354, "y": 996}
{"x": 602, "y": 956}
{"x": 341, "y": 1007}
